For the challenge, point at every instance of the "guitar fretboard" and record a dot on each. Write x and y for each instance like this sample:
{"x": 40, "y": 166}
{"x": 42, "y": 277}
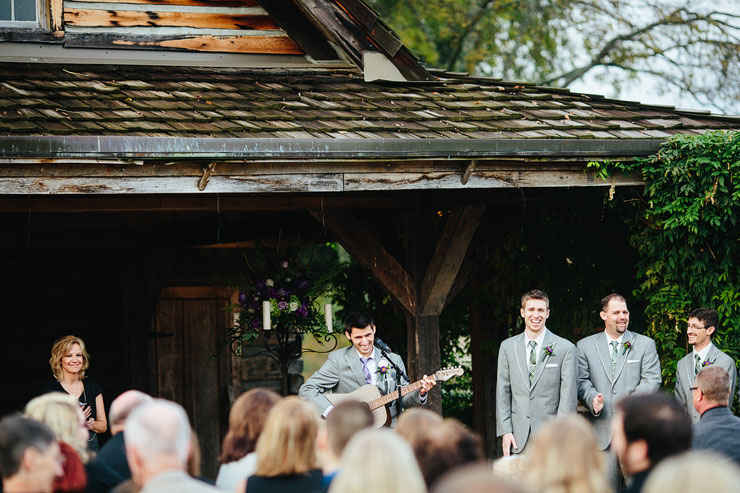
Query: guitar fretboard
{"x": 382, "y": 401}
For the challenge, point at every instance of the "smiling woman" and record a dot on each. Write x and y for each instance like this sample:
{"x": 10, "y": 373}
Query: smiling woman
{"x": 69, "y": 361}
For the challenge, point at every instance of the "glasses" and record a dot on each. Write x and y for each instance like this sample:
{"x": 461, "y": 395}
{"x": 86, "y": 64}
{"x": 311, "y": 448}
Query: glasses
{"x": 695, "y": 388}
{"x": 696, "y": 327}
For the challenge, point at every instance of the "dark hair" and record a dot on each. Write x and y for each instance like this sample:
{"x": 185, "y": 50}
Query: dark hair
{"x": 445, "y": 448}
{"x": 246, "y": 420}
{"x": 535, "y": 294}
{"x": 714, "y": 382}
{"x": 710, "y": 318}
{"x": 606, "y": 299}
{"x": 346, "y": 419}
{"x": 17, "y": 433}
{"x": 358, "y": 320}
{"x": 659, "y": 420}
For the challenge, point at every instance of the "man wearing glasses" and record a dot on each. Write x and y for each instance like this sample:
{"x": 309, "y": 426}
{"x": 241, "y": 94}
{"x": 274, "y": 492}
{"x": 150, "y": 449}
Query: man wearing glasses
{"x": 703, "y": 324}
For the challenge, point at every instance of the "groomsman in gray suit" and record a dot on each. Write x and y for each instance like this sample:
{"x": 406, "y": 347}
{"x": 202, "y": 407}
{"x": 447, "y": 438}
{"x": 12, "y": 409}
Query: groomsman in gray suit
{"x": 703, "y": 324}
{"x": 536, "y": 376}
{"x": 614, "y": 364}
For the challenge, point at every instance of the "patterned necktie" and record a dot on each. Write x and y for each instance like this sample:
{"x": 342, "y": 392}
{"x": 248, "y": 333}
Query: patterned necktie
{"x": 697, "y": 364}
{"x": 532, "y": 360}
{"x": 366, "y": 370}
{"x": 614, "y": 354}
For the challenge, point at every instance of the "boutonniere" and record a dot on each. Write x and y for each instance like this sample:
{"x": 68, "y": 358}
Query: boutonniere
{"x": 382, "y": 368}
{"x": 706, "y": 363}
{"x": 627, "y": 346}
{"x": 548, "y": 351}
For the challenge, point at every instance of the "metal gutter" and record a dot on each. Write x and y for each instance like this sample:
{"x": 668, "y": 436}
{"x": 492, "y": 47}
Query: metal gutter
{"x": 137, "y": 147}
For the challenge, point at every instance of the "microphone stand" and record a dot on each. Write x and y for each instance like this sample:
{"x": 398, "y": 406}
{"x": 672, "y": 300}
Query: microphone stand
{"x": 399, "y": 375}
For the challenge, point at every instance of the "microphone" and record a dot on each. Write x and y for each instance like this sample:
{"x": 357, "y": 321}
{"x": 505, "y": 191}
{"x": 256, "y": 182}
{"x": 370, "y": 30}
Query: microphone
{"x": 381, "y": 345}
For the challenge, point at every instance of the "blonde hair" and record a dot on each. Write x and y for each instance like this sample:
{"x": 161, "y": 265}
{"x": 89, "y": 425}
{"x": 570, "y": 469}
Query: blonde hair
{"x": 564, "y": 458}
{"x": 288, "y": 440}
{"x": 510, "y": 467}
{"x": 371, "y": 451}
{"x": 60, "y": 349}
{"x": 694, "y": 472}
{"x": 61, "y": 413}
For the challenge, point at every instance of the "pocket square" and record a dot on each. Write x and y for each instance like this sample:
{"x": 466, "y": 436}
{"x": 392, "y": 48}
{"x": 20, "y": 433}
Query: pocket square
{"x": 633, "y": 361}
{"x": 551, "y": 365}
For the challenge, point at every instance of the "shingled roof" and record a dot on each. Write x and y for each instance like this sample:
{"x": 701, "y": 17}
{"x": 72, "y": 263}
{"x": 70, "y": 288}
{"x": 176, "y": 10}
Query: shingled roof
{"x": 144, "y": 101}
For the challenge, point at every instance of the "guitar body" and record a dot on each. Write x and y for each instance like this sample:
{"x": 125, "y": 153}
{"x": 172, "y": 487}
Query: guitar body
{"x": 366, "y": 393}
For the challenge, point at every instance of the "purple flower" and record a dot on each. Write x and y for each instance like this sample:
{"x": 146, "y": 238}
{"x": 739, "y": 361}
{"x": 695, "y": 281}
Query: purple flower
{"x": 706, "y": 363}
{"x": 281, "y": 292}
{"x": 627, "y": 345}
{"x": 302, "y": 310}
{"x": 282, "y": 305}
{"x": 242, "y": 298}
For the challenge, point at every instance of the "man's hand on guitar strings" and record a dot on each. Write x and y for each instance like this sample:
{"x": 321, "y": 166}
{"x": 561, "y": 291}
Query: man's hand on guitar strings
{"x": 427, "y": 382}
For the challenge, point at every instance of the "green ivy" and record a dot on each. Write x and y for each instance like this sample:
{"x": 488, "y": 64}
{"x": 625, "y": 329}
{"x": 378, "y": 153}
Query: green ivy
{"x": 687, "y": 238}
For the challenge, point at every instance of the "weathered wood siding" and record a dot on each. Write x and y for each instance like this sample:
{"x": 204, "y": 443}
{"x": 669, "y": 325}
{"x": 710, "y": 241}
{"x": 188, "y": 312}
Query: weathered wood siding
{"x": 184, "y": 25}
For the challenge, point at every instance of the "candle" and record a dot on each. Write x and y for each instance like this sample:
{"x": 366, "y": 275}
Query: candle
{"x": 266, "y": 315}
{"x": 327, "y": 315}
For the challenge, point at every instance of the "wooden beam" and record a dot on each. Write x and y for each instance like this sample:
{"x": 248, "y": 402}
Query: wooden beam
{"x": 207, "y": 3}
{"x": 363, "y": 246}
{"x": 270, "y": 45}
{"x": 133, "y": 18}
{"x": 448, "y": 257}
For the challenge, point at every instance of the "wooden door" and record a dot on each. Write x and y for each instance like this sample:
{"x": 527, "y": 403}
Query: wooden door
{"x": 191, "y": 364}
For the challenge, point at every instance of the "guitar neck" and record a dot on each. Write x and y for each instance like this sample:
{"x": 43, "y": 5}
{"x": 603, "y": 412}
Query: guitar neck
{"x": 392, "y": 396}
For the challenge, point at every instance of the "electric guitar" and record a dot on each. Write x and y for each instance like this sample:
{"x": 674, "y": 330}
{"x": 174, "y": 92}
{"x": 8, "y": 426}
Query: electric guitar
{"x": 370, "y": 394}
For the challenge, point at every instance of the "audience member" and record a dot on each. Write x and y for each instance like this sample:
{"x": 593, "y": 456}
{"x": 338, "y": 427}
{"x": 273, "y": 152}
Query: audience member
{"x": 695, "y": 472}
{"x": 718, "y": 429}
{"x": 246, "y": 421}
{"x": 647, "y": 429}
{"x": 510, "y": 467}
{"x": 157, "y": 437}
{"x": 476, "y": 479}
{"x": 286, "y": 451}
{"x": 565, "y": 459}
{"x": 346, "y": 419}
{"x": 113, "y": 453}
{"x": 29, "y": 455}
{"x": 378, "y": 460}
{"x": 415, "y": 422}
{"x": 445, "y": 447}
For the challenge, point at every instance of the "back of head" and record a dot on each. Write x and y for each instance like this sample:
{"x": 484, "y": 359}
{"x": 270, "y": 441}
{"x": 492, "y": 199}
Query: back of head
{"x": 564, "y": 457}
{"x": 246, "y": 421}
{"x": 287, "y": 443}
{"x": 473, "y": 479}
{"x": 694, "y": 472}
{"x": 346, "y": 419}
{"x": 60, "y": 412}
{"x": 379, "y": 458}
{"x": 660, "y": 421}
{"x": 415, "y": 423}
{"x": 714, "y": 383}
{"x": 159, "y": 431}
{"x": 17, "y": 433}
{"x": 445, "y": 447}
{"x": 123, "y": 405}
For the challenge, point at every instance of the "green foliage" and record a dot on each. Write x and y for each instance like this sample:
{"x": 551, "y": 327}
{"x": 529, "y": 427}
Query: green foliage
{"x": 688, "y": 239}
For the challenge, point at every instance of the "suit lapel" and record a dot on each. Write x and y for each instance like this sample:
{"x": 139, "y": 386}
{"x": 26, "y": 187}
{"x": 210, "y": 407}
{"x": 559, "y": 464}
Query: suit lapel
{"x": 711, "y": 355}
{"x": 688, "y": 367}
{"x": 521, "y": 358}
{"x": 602, "y": 349}
{"x": 544, "y": 357}
{"x": 623, "y": 353}
{"x": 353, "y": 360}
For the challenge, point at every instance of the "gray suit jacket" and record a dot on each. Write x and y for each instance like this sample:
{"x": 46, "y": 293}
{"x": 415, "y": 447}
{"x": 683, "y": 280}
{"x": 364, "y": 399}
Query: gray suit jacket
{"x": 719, "y": 431}
{"x": 341, "y": 373}
{"x": 522, "y": 408}
{"x": 176, "y": 481}
{"x": 638, "y": 371}
{"x": 685, "y": 378}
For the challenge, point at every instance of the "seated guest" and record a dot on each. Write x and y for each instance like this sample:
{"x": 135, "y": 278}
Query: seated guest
{"x": 718, "y": 429}
{"x": 29, "y": 455}
{"x": 476, "y": 479}
{"x": 414, "y": 423}
{"x": 378, "y": 460}
{"x": 564, "y": 458}
{"x": 246, "y": 421}
{"x": 695, "y": 472}
{"x": 345, "y": 420}
{"x": 113, "y": 453}
{"x": 157, "y": 437}
{"x": 510, "y": 467}
{"x": 286, "y": 451}
{"x": 647, "y": 429}
{"x": 445, "y": 447}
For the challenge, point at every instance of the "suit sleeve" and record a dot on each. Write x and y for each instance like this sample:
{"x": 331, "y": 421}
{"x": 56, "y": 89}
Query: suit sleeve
{"x": 679, "y": 393}
{"x": 325, "y": 378}
{"x": 650, "y": 376}
{"x": 503, "y": 395}
{"x": 568, "y": 402}
{"x": 586, "y": 389}
{"x": 733, "y": 381}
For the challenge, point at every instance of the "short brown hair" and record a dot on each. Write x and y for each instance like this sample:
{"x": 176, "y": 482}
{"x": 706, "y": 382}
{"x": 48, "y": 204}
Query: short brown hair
{"x": 447, "y": 447}
{"x": 535, "y": 294}
{"x": 246, "y": 421}
{"x": 710, "y": 318}
{"x": 60, "y": 348}
{"x": 344, "y": 421}
{"x": 714, "y": 382}
{"x": 287, "y": 443}
{"x": 606, "y": 299}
